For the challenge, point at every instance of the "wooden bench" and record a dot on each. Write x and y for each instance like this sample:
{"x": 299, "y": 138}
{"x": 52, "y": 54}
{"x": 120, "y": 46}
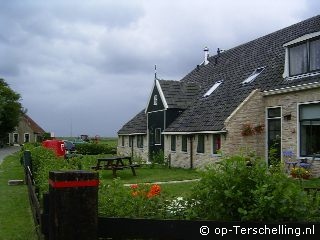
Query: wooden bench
{"x": 116, "y": 163}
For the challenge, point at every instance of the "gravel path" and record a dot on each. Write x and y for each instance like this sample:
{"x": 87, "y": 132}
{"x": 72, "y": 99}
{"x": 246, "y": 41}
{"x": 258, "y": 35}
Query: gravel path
{"x": 6, "y": 151}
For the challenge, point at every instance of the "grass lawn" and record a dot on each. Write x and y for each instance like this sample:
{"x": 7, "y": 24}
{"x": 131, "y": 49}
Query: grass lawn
{"x": 157, "y": 174}
{"x": 16, "y": 220}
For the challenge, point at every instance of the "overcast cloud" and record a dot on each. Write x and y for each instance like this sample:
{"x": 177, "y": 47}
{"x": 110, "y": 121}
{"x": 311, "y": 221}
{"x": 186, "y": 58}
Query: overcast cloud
{"x": 87, "y": 67}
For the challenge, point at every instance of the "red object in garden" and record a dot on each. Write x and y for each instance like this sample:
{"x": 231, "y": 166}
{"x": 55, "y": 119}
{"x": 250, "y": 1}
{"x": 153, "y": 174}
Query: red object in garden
{"x": 56, "y": 145}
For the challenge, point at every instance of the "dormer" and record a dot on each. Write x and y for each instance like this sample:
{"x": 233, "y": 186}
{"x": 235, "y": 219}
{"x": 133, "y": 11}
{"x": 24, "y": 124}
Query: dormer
{"x": 302, "y": 56}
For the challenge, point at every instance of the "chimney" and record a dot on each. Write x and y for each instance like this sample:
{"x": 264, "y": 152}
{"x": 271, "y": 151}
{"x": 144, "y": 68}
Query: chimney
{"x": 206, "y": 55}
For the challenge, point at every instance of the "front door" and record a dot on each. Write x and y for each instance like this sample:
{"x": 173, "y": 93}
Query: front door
{"x": 274, "y": 135}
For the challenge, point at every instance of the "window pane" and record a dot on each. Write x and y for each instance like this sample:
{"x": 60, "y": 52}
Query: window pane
{"x": 200, "y": 148}
{"x": 298, "y": 59}
{"x": 315, "y": 55}
{"x": 309, "y": 138}
{"x": 274, "y": 112}
{"x": 184, "y": 143}
{"x": 157, "y": 138}
{"x": 173, "y": 143}
{"x": 216, "y": 143}
{"x": 310, "y": 111}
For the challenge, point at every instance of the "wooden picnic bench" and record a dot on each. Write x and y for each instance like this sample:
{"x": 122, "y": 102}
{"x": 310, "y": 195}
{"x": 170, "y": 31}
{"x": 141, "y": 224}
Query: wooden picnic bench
{"x": 116, "y": 163}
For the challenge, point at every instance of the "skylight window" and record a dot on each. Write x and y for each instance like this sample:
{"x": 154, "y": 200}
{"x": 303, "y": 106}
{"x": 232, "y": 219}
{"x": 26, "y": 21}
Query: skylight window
{"x": 253, "y": 75}
{"x": 214, "y": 87}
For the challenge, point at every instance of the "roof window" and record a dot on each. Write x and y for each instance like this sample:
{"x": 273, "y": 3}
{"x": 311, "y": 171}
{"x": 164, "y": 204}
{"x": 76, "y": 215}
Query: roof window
{"x": 214, "y": 87}
{"x": 253, "y": 75}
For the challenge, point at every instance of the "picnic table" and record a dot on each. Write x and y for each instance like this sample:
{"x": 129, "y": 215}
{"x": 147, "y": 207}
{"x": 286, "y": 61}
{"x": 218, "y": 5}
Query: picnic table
{"x": 116, "y": 163}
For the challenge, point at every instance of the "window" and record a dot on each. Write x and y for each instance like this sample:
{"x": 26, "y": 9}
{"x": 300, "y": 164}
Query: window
{"x": 15, "y": 137}
{"x": 173, "y": 142}
{"x": 214, "y": 87}
{"x": 304, "y": 57}
{"x": 26, "y": 137}
{"x": 200, "y": 147}
{"x": 309, "y": 117}
{"x": 122, "y": 141}
{"x": 155, "y": 100}
{"x": 131, "y": 138}
{"x": 216, "y": 143}
{"x": 184, "y": 143}
{"x": 157, "y": 136}
{"x": 140, "y": 141}
{"x": 253, "y": 75}
{"x": 274, "y": 132}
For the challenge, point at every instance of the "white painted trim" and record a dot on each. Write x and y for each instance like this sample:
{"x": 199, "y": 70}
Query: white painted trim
{"x": 286, "y": 64}
{"x": 163, "y": 99}
{"x": 161, "y": 94}
{"x": 190, "y": 133}
{"x": 130, "y": 134}
{"x": 302, "y": 38}
{"x": 149, "y": 99}
{"x": 299, "y": 87}
{"x": 240, "y": 105}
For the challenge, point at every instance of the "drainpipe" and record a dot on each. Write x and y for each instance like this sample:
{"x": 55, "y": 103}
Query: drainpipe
{"x": 191, "y": 151}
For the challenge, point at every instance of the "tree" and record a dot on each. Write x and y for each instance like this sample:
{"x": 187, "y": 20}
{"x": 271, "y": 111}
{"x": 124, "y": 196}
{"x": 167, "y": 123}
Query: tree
{"x": 10, "y": 109}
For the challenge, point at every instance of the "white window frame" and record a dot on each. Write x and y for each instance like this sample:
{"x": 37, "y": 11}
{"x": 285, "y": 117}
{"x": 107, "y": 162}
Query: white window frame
{"x": 155, "y": 135}
{"x": 155, "y": 100}
{"x": 253, "y": 75}
{"x": 267, "y": 130}
{"x": 213, "y": 88}
{"x": 215, "y": 154}
{"x": 24, "y": 139}
{"x": 15, "y": 134}
{"x": 300, "y": 40}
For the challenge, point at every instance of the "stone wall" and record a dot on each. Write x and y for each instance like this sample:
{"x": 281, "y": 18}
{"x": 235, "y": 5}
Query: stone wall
{"x": 250, "y": 112}
{"x": 138, "y": 153}
{"x": 289, "y": 104}
{"x": 183, "y": 159}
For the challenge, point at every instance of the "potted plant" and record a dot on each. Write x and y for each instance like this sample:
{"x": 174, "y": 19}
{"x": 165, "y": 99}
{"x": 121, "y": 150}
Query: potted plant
{"x": 259, "y": 129}
{"x": 247, "y": 130}
{"x": 300, "y": 172}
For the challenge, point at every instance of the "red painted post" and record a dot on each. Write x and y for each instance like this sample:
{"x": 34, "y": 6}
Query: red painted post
{"x": 73, "y": 205}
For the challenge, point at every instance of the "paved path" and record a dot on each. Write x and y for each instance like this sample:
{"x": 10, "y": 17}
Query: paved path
{"x": 168, "y": 182}
{"x": 6, "y": 151}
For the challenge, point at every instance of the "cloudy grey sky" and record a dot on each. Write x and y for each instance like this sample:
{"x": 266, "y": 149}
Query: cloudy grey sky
{"x": 87, "y": 67}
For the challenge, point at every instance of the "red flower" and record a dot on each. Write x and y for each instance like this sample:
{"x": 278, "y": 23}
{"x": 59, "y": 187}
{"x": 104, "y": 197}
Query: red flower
{"x": 154, "y": 190}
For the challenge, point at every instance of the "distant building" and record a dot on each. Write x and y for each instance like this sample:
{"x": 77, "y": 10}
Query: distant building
{"x": 261, "y": 95}
{"x": 27, "y": 131}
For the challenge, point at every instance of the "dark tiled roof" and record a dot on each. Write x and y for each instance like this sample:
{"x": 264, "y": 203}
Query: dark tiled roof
{"x": 137, "y": 124}
{"x": 32, "y": 124}
{"x": 234, "y": 66}
{"x": 179, "y": 94}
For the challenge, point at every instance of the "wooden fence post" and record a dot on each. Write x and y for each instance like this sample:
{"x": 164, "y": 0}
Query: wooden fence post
{"x": 73, "y": 205}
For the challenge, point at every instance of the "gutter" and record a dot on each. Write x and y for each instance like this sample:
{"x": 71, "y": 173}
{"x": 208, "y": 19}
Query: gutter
{"x": 299, "y": 87}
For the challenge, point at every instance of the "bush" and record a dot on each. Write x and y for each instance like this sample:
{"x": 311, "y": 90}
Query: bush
{"x": 94, "y": 149}
{"x": 116, "y": 200}
{"x": 234, "y": 190}
{"x": 44, "y": 160}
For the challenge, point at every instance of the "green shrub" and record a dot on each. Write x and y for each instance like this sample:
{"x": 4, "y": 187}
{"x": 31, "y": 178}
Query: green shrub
{"x": 234, "y": 190}
{"x": 94, "y": 149}
{"x": 116, "y": 200}
{"x": 44, "y": 160}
